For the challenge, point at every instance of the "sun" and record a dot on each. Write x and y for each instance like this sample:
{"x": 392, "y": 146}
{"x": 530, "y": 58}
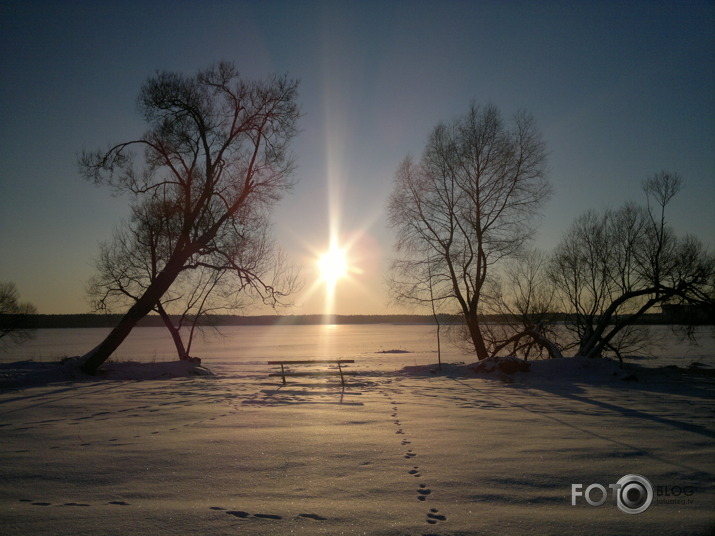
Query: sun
{"x": 333, "y": 265}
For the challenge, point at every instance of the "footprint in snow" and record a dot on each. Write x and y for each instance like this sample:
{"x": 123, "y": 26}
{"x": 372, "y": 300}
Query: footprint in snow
{"x": 238, "y": 513}
{"x": 313, "y": 516}
{"x": 433, "y": 517}
{"x": 245, "y": 515}
{"x": 423, "y": 491}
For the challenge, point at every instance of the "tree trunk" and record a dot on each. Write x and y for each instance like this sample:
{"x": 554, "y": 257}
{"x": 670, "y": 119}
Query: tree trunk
{"x": 588, "y": 340}
{"x": 175, "y": 334}
{"x": 476, "y": 335}
{"x": 143, "y": 306}
{"x": 536, "y": 337}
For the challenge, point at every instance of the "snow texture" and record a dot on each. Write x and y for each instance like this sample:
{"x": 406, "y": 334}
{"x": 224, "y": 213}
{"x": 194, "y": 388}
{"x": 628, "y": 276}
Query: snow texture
{"x": 154, "y": 449}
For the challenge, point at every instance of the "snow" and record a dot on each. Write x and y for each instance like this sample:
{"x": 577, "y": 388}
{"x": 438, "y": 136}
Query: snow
{"x": 402, "y": 449}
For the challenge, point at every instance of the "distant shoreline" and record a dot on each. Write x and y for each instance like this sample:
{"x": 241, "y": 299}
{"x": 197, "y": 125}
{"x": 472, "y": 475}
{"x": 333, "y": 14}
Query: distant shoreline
{"x": 89, "y": 320}
{"x": 52, "y": 321}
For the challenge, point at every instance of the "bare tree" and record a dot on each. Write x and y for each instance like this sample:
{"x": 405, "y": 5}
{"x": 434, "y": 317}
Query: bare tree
{"x": 468, "y": 204}
{"x": 613, "y": 267}
{"x": 128, "y": 265}
{"x": 14, "y": 315}
{"x": 215, "y": 153}
{"x": 524, "y": 300}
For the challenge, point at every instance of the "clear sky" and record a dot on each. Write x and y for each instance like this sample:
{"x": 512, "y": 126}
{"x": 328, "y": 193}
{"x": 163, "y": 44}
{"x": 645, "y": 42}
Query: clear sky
{"x": 620, "y": 90}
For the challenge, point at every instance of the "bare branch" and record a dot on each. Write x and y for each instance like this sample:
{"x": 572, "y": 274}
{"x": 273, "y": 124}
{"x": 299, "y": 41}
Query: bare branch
{"x": 468, "y": 204}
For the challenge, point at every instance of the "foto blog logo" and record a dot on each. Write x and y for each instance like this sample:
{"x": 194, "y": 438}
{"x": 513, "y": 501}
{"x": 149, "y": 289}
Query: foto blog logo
{"x": 633, "y": 494}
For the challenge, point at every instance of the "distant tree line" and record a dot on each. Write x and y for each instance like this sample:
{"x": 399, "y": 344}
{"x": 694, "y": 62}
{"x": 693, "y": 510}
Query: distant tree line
{"x": 671, "y": 315}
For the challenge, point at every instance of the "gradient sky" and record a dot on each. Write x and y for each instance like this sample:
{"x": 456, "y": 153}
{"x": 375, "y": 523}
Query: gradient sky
{"x": 620, "y": 90}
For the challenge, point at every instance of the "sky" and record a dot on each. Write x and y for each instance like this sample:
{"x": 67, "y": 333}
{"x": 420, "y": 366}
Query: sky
{"x": 620, "y": 91}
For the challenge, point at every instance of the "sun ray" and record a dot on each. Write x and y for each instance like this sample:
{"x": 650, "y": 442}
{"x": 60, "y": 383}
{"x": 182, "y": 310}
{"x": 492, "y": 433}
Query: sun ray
{"x": 337, "y": 265}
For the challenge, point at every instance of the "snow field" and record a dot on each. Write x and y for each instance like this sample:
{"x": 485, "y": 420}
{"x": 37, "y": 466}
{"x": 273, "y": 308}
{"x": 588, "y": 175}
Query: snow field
{"x": 390, "y": 454}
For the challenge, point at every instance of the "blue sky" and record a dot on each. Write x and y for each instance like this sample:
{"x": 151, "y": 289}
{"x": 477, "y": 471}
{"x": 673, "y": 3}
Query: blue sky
{"x": 620, "y": 90}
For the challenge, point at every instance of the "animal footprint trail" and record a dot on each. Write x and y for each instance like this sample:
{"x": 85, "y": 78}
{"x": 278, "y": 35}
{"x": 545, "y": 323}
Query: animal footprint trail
{"x": 422, "y": 492}
{"x": 433, "y": 516}
{"x": 245, "y": 515}
{"x": 33, "y": 502}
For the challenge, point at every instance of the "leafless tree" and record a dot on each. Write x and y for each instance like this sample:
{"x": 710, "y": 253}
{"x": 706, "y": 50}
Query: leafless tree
{"x": 465, "y": 206}
{"x": 128, "y": 265}
{"x": 524, "y": 300}
{"x": 613, "y": 267}
{"x": 14, "y": 315}
{"x": 216, "y": 153}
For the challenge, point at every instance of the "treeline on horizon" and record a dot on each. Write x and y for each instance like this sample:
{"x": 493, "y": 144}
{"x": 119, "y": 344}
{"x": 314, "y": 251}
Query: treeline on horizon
{"x": 670, "y": 315}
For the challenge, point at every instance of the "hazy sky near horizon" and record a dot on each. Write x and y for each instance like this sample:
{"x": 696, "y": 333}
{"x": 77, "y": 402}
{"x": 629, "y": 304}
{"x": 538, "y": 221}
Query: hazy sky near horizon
{"x": 620, "y": 90}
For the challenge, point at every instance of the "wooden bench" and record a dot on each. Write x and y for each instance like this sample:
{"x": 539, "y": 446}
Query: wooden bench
{"x": 283, "y": 373}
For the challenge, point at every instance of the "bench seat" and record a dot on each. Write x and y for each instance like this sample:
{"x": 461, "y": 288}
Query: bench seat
{"x": 335, "y": 371}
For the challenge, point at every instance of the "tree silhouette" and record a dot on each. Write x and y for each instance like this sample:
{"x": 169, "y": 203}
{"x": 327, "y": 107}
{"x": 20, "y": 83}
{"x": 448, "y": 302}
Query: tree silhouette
{"x": 465, "y": 206}
{"x": 126, "y": 266}
{"x": 14, "y": 315}
{"x": 612, "y": 267}
{"x": 215, "y": 154}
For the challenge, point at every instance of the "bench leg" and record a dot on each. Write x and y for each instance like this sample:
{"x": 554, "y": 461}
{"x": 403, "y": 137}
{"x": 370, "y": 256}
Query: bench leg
{"x": 340, "y": 370}
{"x": 283, "y": 374}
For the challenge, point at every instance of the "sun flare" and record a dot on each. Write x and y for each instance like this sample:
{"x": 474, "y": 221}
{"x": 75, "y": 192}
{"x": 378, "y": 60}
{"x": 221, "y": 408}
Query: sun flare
{"x": 333, "y": 265}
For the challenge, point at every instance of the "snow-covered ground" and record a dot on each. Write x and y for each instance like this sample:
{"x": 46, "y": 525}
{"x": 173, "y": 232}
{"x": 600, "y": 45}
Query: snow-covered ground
{"x": 396, "y": 451}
